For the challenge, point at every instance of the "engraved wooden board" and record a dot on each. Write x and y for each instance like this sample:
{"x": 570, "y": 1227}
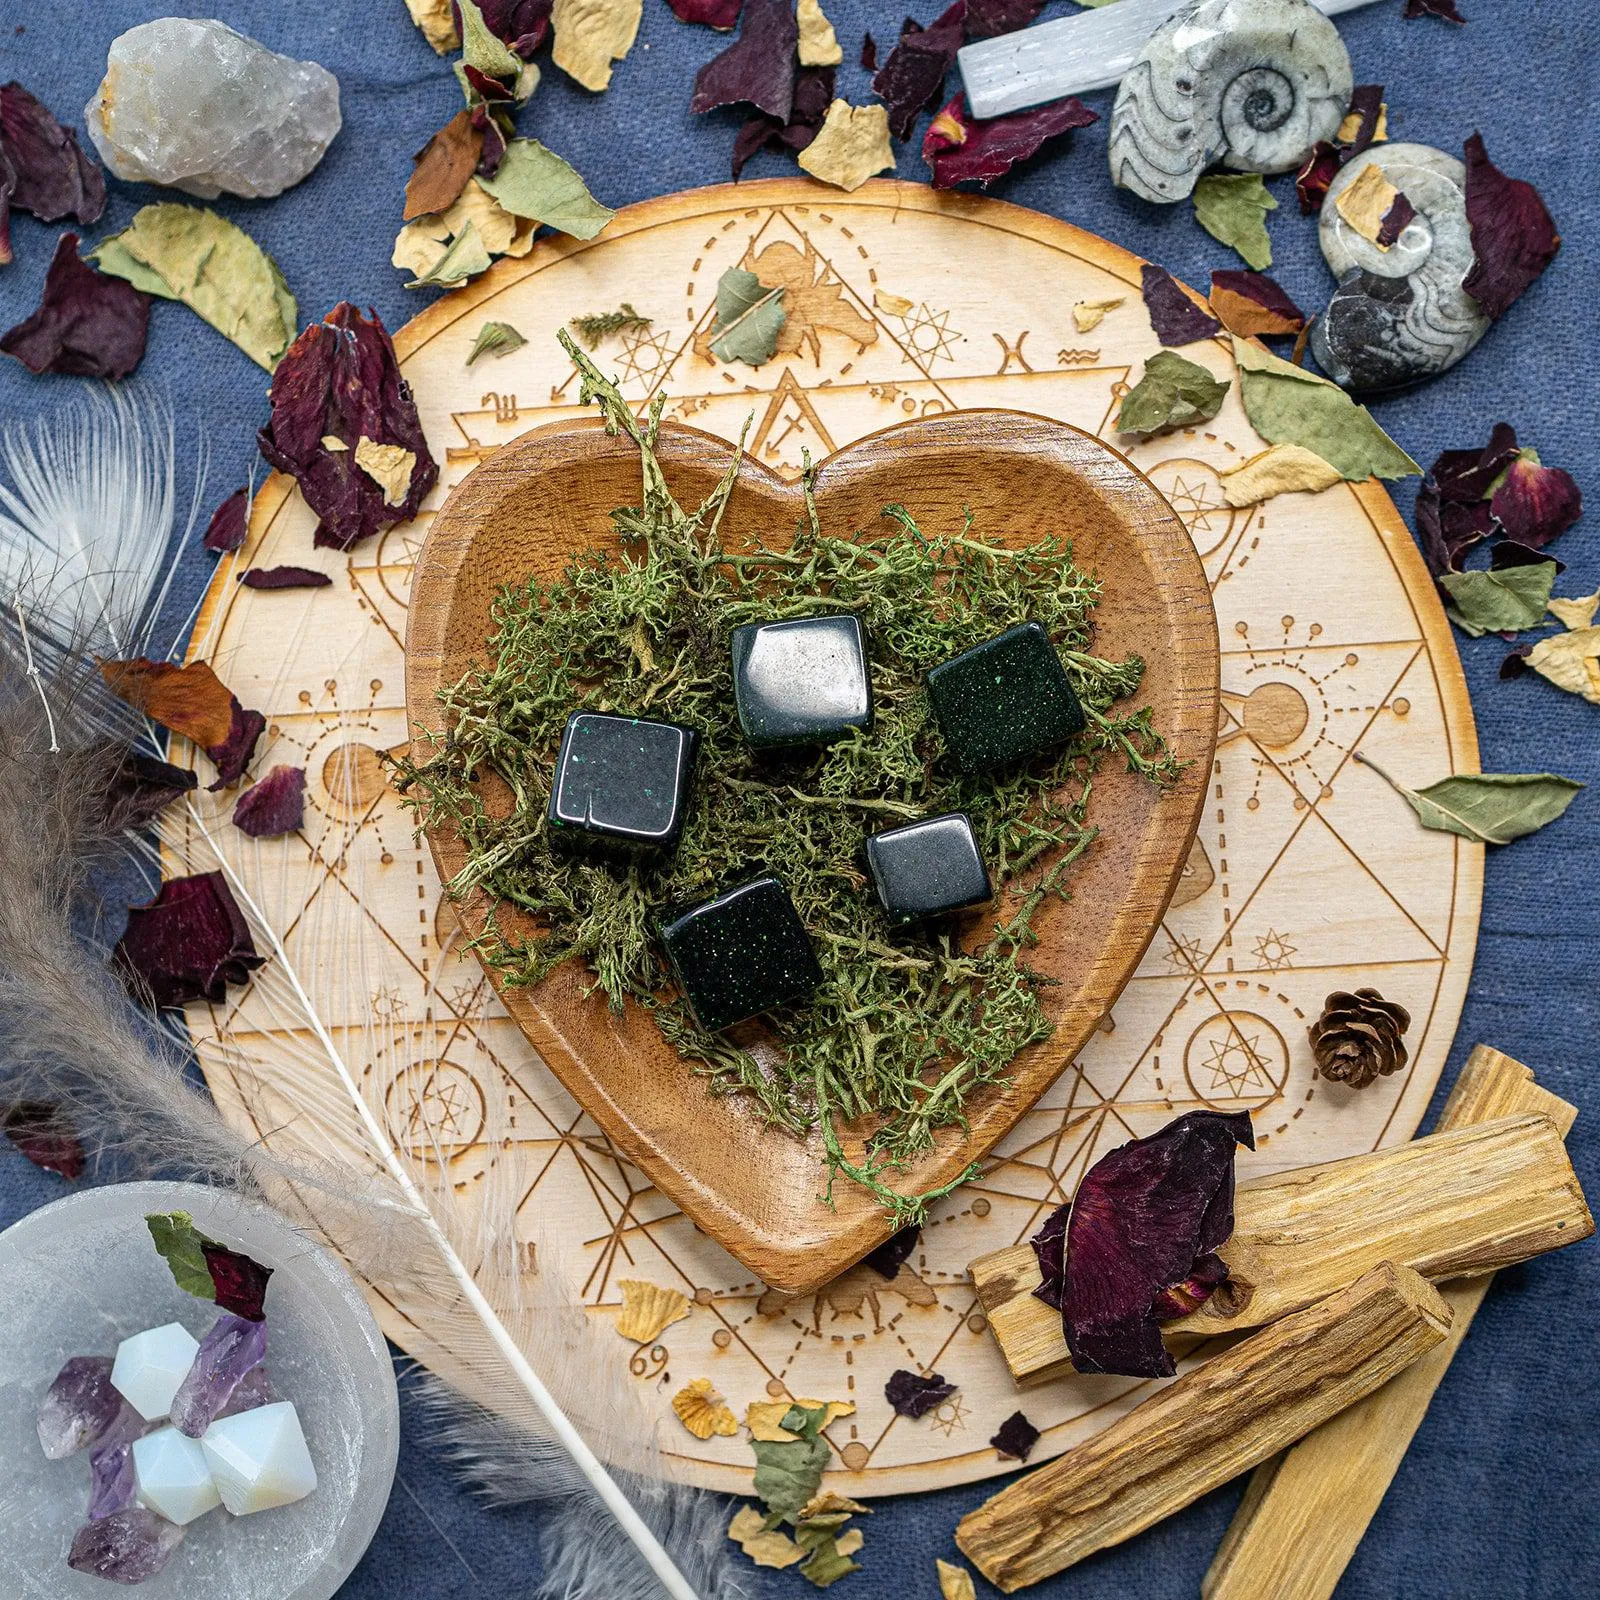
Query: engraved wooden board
{"x": 1308, "y": 874}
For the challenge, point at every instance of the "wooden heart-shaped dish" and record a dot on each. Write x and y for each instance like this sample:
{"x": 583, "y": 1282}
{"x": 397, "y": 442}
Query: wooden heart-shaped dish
{"x": 527, "y": 509}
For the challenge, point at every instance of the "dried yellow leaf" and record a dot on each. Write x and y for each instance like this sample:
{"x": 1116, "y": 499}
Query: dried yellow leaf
{"x": 1575, "y": 613}
{"x": 438, "y": 24}
{"x": 766, "y": 1547}
{"x": 827, "y": 1503}
{"x": 849, "y": 1542}
{"x": 389, "y": 466}
{"x": 895, "y": 304}
{"x": 831, "y": 1409}
{"x": 420, "y": 245}
{"x": 331, "y": 441}
{"x": 1284, "y": 469}
{"x": 1365, "y": 202}
{"x": 819, "y": 44}
{"x": 1087, "y": 313}
{"x": 764, "y": 1419}
{"x": 591, "y": 34}
{"x": 852, "y": 144}
{"x": 1350, "y": 128}
{"x": 955, "y": 1583}
{"x": 647, "y": 1309}
{"x": 1571, "y": 661}
{"x": 703, "y": 1411}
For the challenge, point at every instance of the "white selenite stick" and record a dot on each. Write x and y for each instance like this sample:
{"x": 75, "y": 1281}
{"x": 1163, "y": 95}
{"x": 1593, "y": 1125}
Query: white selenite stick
{"x": 1071, "y": 55}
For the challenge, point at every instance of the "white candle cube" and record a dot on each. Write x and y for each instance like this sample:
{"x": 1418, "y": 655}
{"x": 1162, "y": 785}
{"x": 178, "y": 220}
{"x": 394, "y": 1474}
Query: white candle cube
{"x": 171, "y": 1476}
{"x": 150, "y": 1366}
{"x": 259, "y": 1459}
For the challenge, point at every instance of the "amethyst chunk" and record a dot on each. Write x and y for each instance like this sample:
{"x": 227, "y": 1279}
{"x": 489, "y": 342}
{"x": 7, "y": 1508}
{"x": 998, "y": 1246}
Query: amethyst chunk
{"x": 233, "y": 1347}
{"x": 126, "y": 1547}
{"x": 79, "y": 1407}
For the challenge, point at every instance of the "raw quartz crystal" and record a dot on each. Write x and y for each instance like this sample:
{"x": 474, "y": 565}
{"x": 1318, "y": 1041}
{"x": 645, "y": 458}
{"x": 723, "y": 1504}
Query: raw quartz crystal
{"x": 233, "y": 1348}
{"x": 79, "y": 1408}
{"x": 195, "y": 106}
{"x": 126, "y": 1547}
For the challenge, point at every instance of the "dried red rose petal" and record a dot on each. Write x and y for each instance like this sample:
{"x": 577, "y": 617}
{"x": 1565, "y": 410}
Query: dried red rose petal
{"x": 233, "y": 754}
{"x": 88, "y": 325}
{"x": 1516, "y": 662}
{"x": 961, "y": 149}
{"x": 1533, "y": 503}
{"x": 1467, "y": 475}
{"x": 893, "y": 1253}
{"x": 911, "y": 1395}
{"x": 813, "y": 93}
{"x": 722, "y": 15}
{"x": 1176, "y": 318}
{"x": 51, "y": 176}
{"x": 141, "y": 790}
{"x": 43, "y": 1134}
{"x": 1513, "y": 236}
{"x": 1316, "y": 176}
{"x": 276, "y": 805}
{"x": 522, "y": 25}
{"x": 490, "y": 91}
{"x": 1366, "y": 105}
{"x": 229, "y": 523}
{"x": 284, "y": 578}
{"x": 1448, "y": 529}
{"x": 496, "y": 130}
{"x": 1445, "y": 10}
{"x": 1148, "y": 1219}
{"x": 340, "y": 379}
{"x": 1050, "y": 1250}
{"x": 912, "y": 79}
{"x": 241, "y": 1283}
{"x": 189, "y": 943}
{"x": 758, "y": 68}
{"x": 1514, "y": 553}
{"x": 1016, "y": 1437}
{"x": 869, "y": 53}
{"x": 1400, "y": 214}
{"x": 8, "y": 182}
{"x": 987, "y": 19}
{"x": 1251, "y": 304}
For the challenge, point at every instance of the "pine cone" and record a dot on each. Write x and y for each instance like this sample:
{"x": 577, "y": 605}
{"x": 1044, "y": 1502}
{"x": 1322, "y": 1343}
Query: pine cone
{"x": 1357, "y": 1037}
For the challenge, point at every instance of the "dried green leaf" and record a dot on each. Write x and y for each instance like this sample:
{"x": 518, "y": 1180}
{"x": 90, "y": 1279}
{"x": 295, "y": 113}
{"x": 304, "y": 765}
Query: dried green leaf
{"x": 190, "y": 254}
{"x": 179, "y": 1244}
{"x": 830, "y": 1561}
{"x": 465, "y": 258}
{"x": 482, "y": 49}
{"x": 1503, "y": 601}
{"x": 750, "y": 317}
{"x": 532, "y": 181}
{"x": 598, "y": 325}
{"x": 1490, "y": 807}
{"x": 1571, "y": 661}
{"x": 1578, "y": 612}
{"x": 789, "y": 1474}
{"x": 1172, "y": 393}
{"x": 1288, "y": 405}
{"x": 1234, "y": 209}
{"x": 495, "y": 339}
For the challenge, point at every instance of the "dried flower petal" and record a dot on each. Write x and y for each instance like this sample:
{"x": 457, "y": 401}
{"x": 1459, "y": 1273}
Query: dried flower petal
{"x": 284, "y": 578}
{"x": 813, "y": 94}
{"x": 648, "y": 1309}
{"x": 43, "y": 1134}
{"x": 341, "y": 378}
{"x": 1252, "y": 305}
{"x": 819, "y": 44}
{"x": 1466, "y": 475}
{"x": 274, "y": 806}
{"x": 1282, "y": 469}
{"x": 851, "y": 145}
{"x": 233, "y": 755}
{"x": 987, "y": 19}
{"x": 88, "y": 325}
{"x": 443, "y": 165}
{"x": 1447, "y": 529}
{"x": 1147, "y": 1217}
{"x": 1400, "y": 215}
{"x": 1176, "y": 318}
{"x": 1365, "y": 123}
{"x": 189, "y": 943}
{"x": 229, "y": 523}
{"x": 893, "y": 1253}
{"x": 1087, "y": 314}
{"x": 241, "y": 1283}
{"x": 1316, "y": 175}
{"x": 1016, "y": 1437}
{"x": 1444, "y": 10}
{"x": 436, "y": 21}
{"x": 758, "y": 68}
{"x": 869, "y": 53}
{"x": 591, "y": 34}
{"x": 1513, "y": 236}
{"x": 1365, "y": 204}
{"x": 1515, "y": 662}
{"x": 1577, "y": 612}
{"x": 190, "y": 700}
{"x": 962, "y": 150}
{"x": 141, "y": 790}
{"x": 703, "y": 1411}
{"x": 912, "y": 79}
{"x": 912, "y": 1395}
{"x": 767, "y": 1547}
{"x": 1533, "y": 503}
{"x": 523, "y": 25}
{"x": 44, "y": 170}
{"x": 1050, "y": 1251}
{"x": 1570, "y": 660}
{"x": 723, "y": 15}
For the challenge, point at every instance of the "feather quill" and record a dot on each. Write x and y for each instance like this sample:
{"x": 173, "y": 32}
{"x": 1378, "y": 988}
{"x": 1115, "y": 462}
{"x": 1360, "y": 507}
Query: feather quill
{"x": 85, "y": 564}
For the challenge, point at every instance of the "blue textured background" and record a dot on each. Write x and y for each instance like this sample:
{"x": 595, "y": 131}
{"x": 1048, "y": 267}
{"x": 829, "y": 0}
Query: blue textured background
{"x": 1496, "y": 1497}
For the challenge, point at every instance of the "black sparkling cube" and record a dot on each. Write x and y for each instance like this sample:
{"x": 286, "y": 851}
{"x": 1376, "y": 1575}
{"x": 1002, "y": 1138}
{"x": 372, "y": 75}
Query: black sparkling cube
{"x": 802, "y": 682}
{"x": 928, "y": 868}
{"x": 621, "y": 782}
{"x": 1004, "y": 700}
{"x": 742, "y": 953}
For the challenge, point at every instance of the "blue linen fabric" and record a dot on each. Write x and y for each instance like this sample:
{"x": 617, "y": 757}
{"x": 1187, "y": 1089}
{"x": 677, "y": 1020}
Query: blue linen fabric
{"x": 1495, "y": 1497}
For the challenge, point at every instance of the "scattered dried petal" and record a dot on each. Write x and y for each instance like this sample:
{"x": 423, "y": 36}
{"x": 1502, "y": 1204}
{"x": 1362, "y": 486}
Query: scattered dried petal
{"x": 893, "y": 1253}
{"x": 1575, "y": 613}
{"x": 1533, "y": 503}
{"x": 766, "y": 1547}
{"x": 1087, "y": 314}
{"x": 229, "y": 523}
{"x": 758, "y": 68}
{"x": 1366, "y": 122}
{"x": 1050, "y": 1251}
{"x": 1467, "y": 475}
{"x": 465, "y": 257}
{"x": 591, "y": 34}
{"x": 142, "y": 789}
{"x": 233, "y": 755}
{"x": 852, "y": 144}
{"x": 1316, "y": 176}
{"x": 1445, "y": 10}
{"x": 1282, "y": 469}
{"x": 1365, "y": 203}
{"x": 1253, "y": 305}
{"x": 961, "y": 150}
{"x": 813, "y": 94}
{"x": 912, "y": 79}
{"x": 523, "y": 25}
{"x": 723, "y": 15}
{"x": 955, "y": 1583}
{"x": 389, "y": 466}
{"x": 1176, "y": 318}
{"x": 284, "y": 578}
{"x": 829, "y": 1503}
{"x": 987, "y": 19}
{"x": 1513, "y": 236}
{"x": 1570, "y": 660}
{"x": 51, "y": 177}
{"x": 241, "y": 1283}
{"x": 189, "y": 943}
{"x": 819, "y": 44}
{"x": 1016, "y": 1437}
{"x": 437, "y": 21}
{"x": 1396, "y": 220}
{"x": 869, "y": 53}
{"x": 1171, "y": 393}
{"x": 764, "y": 1419}
{"x": 703, "y": 1411}
{"x": 648, "y": 1309}
{"x": 912, "y": 1395}
{"x": 1447, "y": 529}
{"x": 1232, "y": 208}
{"x": 88, "y": 325}
{"x": 1515, "y": 663}
{"x": 190, "y": 700}
{"x": 274, "y": 806}
{"x": 443, "y": 165}
{"x": 43, "y": 1134}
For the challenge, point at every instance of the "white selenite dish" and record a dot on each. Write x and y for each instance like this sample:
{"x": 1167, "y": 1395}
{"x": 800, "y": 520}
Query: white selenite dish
{"x": 80, "y": 1276}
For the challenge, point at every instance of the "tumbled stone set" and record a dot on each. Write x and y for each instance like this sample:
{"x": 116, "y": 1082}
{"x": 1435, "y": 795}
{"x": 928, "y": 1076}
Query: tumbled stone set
{"x": 621, "y": 787}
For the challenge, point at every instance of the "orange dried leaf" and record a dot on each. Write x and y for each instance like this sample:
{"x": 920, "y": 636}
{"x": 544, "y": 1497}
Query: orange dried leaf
{"x": 192, "y": 700}
{"x": 443, "y": 166}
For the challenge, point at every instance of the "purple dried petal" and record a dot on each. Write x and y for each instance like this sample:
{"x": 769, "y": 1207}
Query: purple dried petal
{"x": 987, "y": 19}
{"x": 758, "y": 68}
{"x": 229, "y": 523}
{"x": 1050, "y": 1250}
{"x": 912, "y": 79}
{"x": 1467, "y": 475}
{"x": 79, "y": 1407}
{"x": 284, "y": 578}
{"x": 341, "y": 379}
{"x": 522, "y": 25}
{"x": 141, "y": 789}
{"x": 1016, "y": 1437}
{"x": 489, "y": 90}
{"x": 1396, "y": 219}
{"x": 1516, "y": 662}
{"x": 233, "y": 755}
{"x": 723, "y": 15}
{"x": 1448, "y": 529}
{"x": 189, "y": 943}
{"x": 126, "y": 1547}
{"x": 112, "y": 1486}
{"x": 1176, "y": 318}
{"x": 88, "y": 325}
{"x": 1513, "y": 236}
{"x": 1366, "y": 103}
{"x": 869, "y": 53}
{"x": 43, "y": 1134}
{"x": 1533, "y": 502}
{"x": 813, "y": 93}
{"x": 914, "y": 1396}
{"x": 1145, "y": 1218}
{"x": 52, "y": 177}
{"x": 233, "y": 1347}
{"x": 962, "y": 150}
{"x": 1316, "y": 176}
{"x": 275, "y": 806}
{"x": 240, "y": 1282}
{"x": 893, "y": 1253}
{"x": 1513, "y": 553}
{"x": 495, "y": 139}
{"x": 1445, "y": 10}
{"x": 254, "y": 1389}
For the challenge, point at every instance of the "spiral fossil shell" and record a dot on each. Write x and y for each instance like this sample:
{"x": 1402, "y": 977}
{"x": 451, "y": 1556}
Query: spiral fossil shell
{"x": 1399, "y": 315}
{"x": 1252, "y": 84}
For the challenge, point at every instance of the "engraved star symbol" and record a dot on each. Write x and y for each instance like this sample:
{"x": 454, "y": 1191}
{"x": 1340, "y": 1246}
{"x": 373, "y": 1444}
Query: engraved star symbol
{"x": 1273, "y": 951}
{"x": 1184, "y": 955}
{"x": 1194, "y": 502}
{"x": 952, "y": 1415}
{"x": 1237, "y": 1064}
{"x": 644, "y": 355}
{"x": 929, "y": 333}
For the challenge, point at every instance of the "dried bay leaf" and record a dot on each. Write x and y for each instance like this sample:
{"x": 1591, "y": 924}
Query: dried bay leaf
{"x": 819, "y": 44}
{"x": 1288, "y": 405}
{"x": 648, "y": 1310}
{"x": 192, "y": 255}
{"x": 534, "y": 182}
{"x": 1505, "y": 600}
{"x": 1281, "y": 469}
{"x": 852, "y": 144}
{"x": 591, "y": 34}
{"x": 1233, "y": 209}
{"x": 749, "y": 318}
{"x": 1490, "y": 807}
{"x": 1172, "y": 393}
{"x": 1576, "y": 613}
{"x": 495, "y": 339}
{"x": 1571, "y": 660}
{"x": 955, "y": 1583}
{"x": 767, "y": 1547}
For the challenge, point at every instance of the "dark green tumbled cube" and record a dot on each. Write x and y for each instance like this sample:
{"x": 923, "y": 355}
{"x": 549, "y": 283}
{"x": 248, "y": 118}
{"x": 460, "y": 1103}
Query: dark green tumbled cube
{"x": 803, "y": 682}
{"x": 1004, "y": 700}
{"x": 621, "y": 784}
{"x": 928, "y": 868}
{"x": 742, "y": 953}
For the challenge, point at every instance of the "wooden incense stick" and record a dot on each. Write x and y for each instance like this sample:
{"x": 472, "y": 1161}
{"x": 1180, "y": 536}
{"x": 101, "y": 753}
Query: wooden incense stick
{"x": 1307, "y": 1510}
{"x": 1465, "y": 1201}
{"x": 1225, "y": 1416}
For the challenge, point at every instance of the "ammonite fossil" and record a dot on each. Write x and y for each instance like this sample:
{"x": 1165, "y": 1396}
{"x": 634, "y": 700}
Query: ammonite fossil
{"x": 1399, "y": 315}
{"x": 1252, "y": 84}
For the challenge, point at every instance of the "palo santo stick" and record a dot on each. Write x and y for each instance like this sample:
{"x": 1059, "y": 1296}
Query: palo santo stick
{"x": 1305, "y": 1512}
{"x": 1213, "y": 1423}
{"x": 1461, "y": 1202}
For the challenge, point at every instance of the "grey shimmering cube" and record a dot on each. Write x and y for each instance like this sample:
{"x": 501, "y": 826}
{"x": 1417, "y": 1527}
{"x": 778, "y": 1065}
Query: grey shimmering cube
{"x": 803, "y": 682}
{"x": 928, "y": 868}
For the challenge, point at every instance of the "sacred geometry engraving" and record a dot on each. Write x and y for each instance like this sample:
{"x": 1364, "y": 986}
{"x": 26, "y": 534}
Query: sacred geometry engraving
{"x": 1306, "y": 875}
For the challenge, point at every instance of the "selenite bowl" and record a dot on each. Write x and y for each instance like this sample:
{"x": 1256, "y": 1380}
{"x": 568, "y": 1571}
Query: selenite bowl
{"x": 79, "y": 1276}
